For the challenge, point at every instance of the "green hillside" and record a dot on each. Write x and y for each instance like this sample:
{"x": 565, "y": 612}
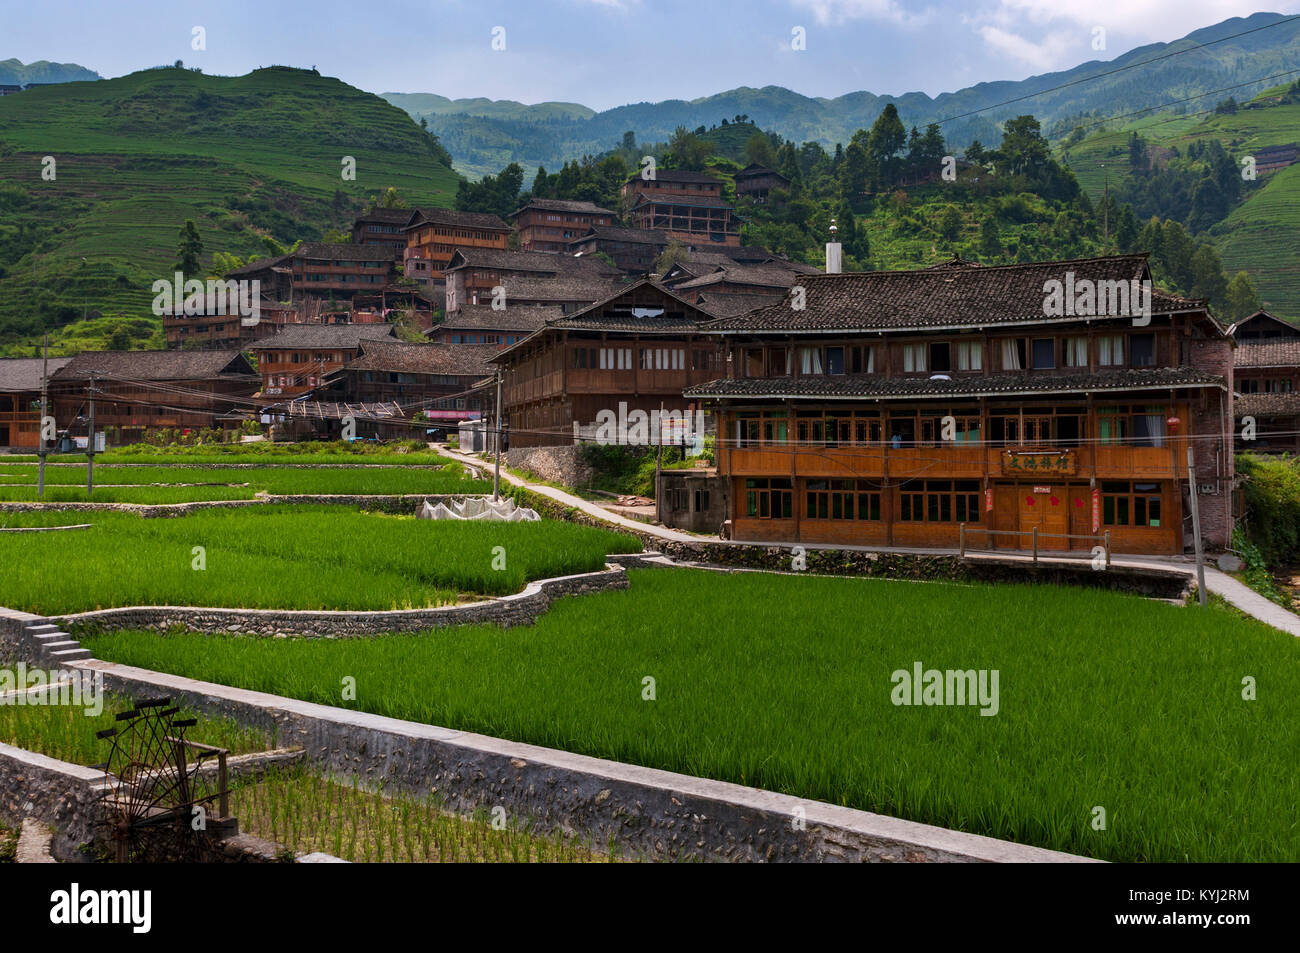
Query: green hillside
{"x": 1259, "y": 234}
{"x": 43, "y": 71}
{"x": 136, "y": 156}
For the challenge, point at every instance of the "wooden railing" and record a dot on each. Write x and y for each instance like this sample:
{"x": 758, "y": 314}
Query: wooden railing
{"x": 1103, "y": 540}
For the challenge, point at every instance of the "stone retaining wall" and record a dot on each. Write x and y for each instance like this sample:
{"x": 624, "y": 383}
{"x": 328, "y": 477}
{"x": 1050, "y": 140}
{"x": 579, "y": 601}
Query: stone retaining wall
{"x": 659, "y": 813}
{"x": 521, "y": 608}
{"x": 406, "y": 503}
{"x": 563, "y": 465}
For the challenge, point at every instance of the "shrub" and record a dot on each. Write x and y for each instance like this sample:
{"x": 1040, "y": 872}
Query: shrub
{"x": 1272, "y": 511}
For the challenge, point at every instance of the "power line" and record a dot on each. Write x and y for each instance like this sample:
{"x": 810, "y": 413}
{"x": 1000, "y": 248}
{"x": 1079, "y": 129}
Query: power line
{"x": 1119, "y": 69}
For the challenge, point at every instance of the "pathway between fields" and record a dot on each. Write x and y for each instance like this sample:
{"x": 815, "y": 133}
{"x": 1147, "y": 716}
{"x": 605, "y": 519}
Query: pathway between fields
{"x": 1220, "y": 583}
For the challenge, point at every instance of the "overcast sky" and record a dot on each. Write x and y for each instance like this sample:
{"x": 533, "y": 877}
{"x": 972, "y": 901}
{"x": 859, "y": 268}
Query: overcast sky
{"x": 605, "y": 53}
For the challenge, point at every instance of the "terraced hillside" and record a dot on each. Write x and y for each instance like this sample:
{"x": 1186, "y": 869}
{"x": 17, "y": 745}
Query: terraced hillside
{"x": 136, "y": 156}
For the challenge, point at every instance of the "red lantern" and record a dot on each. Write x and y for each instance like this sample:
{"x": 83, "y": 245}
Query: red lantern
{"x": 1173, "y": 423}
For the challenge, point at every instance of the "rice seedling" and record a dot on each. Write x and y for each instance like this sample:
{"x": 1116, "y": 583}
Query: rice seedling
{"x": 307, "y": 812}
{"x": 66, "y": 732}
{"x": 787, "y": 683}
{"x": 291, "y": 557}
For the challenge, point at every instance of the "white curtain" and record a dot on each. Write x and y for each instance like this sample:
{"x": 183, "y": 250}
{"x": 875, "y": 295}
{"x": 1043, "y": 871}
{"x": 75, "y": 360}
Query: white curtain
{"x": 1010, "y": 355}
{"x": 810, "y": 360}
{"x": 913, "y": 357}
{"x": 871, "y": 360}
{"x": 1112, "y": 351}
{"x": 970, "y": 356}
{"x": 1076, "y": 352}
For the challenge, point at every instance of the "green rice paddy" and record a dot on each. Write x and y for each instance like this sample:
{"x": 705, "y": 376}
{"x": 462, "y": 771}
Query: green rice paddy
{"x": 288, "y": 557}
{"x": 1105, "y": 701}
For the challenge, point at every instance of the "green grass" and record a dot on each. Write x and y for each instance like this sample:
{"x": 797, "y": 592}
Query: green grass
{"x": 18, "y": 481}
{"x": 289, "y": 557}
{"x": 306, "y": 813}
{"x": 785, "y": 683}
{"x": 67, "y": 733}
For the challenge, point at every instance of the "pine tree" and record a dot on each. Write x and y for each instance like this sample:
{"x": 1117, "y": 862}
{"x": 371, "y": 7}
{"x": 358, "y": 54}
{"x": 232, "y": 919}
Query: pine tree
{"x": 190, "y": 250}
{"x": 1241, "y": 299}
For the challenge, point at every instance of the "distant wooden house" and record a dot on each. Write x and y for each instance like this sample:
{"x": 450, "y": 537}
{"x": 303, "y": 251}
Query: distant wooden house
{"x": 434, "y": 234}
{"x": 1273, "y": 158}
{"x": 483, "y": 324}
{"x": 9, "y": 89}
{"x": 20, "y": 399}
{"x": 300, "y": 357}
{"x": 633, "y": 250}
{"x": 687, "y": 206}
{"x": 548, "y": 225}
{"x": 385, "y": 227}
{"x": 756, "y": 182}
{"x": 632, "y": 351}
{"x": 1266, "y": 370}
{"x": 229, "y": 328}
{"x": 472, "y": 273}
{"x": 139, "y": 391}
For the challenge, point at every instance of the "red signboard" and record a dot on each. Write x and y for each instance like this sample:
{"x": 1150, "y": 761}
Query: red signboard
{"x": 988, "y": 501}
{"x": 1096, "y": 509}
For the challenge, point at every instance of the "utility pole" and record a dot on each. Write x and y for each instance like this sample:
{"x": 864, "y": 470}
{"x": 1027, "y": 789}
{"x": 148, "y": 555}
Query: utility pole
{"x": 1196, "y": 528}
{"x": 659, "y": 462}
{"x": 41, "y": 450}
{"x": 1105, "y": 212}
{"x": 496, "y": 470}
{"x": 90, "y": 441}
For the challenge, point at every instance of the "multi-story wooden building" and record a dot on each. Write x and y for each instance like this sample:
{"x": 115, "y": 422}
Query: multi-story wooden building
{"x": 433, "y": 380}
{"x": 483, "y": 324}
{"x": 896, "y": 406}
{"x": 548, "y": 225}
{"x": 687, "y": 206}
{"x": 756, "y": 182}
{"x": 137, "y": 391}
{"x": 385, "y": 227}
{"x": 1266, "y": 366}
{"x": 636, "y": 350}
{"x": 633, "y": 250}
{"x": 472, "y": 273}
{"x": 300, "y": 357}
{"x": 317, "y": 271}
{"x": 229, "y": 329}
{"x": 434, "y": 234}
{"x": 20, "y": 399}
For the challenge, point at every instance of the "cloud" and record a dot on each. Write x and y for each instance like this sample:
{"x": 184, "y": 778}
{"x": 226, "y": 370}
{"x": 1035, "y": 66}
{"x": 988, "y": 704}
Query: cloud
{"x": 1044, "y": 54}
{"x": 826, "y": 12}
{"x": 1139, "y": 21}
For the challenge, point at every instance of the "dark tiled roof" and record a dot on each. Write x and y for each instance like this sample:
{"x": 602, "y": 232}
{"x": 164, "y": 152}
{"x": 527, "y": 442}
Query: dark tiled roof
{"x": 941, "y": 297}
{"x": 754, "y": 169}
{"x": 1267, "y": 353}
{"x": 878, "y": 387}
{"x": 387, "y": 216}
{"x": 579, "y": 287}
{"x": 609, "y": 315}
{"x": 562, "y": 205}
{"x": 20, "y": 374}
{"x": 762, "y": 276}
{"x": 1266, "y": 405}
{"x": 156, "y": 365}
{"x": 677, "y": 175}
{"x": 324, "y": 335}
{"x": 634, "y": 236}
{"x": 482, "y": 317}
{"x": 262, "y": 264}
{"x": 447, "y": 216}
{"x": 536, "y": 262}
{"x": 406, "y": 358}
{"x": 320, "y": 251}
{"x": 1284, "y": 326}
{"x": 724, "y": 305}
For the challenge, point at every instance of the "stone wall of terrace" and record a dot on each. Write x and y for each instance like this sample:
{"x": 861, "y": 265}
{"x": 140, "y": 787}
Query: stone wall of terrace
{"x": 521, "y": 608}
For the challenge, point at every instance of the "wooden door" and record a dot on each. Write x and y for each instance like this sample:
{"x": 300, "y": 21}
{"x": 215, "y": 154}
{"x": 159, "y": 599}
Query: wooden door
{"x": 1006, "y": 517}
{"x": 1080, "y": 500}
{"x": 1048, "y": 512}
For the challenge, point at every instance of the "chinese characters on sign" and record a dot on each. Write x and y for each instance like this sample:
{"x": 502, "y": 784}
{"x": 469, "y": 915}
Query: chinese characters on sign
{"x": 1037, "y": 462}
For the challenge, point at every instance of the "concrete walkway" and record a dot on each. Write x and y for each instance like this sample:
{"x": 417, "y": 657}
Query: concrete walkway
{"x": 1220, "y": 583}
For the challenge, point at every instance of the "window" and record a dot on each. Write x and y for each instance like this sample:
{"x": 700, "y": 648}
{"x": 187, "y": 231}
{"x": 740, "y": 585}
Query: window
{"x": 1074, "y": 352}
{"x": 810, "y": 360}
{"x": 841, "y": 500}
{"x": 913, "y": 358}
{"x": 776, "y": 427}
{"x": 769, "y": 499}
{"x": 747, "y": 430}
{"x": 663, "y": 359}
{"x": 1149, "y": 428}
{"x": 862, "y": 359}
{"x": 941, "y": 501}
{"x": 1044, "y": 353}
{"x": 615, "y": 358}
{"x": 1124, "y": 504}
{"x": 1142, "y": 350}
{"x": 1110, "y": 351}
{"x": 970, "y": 356}
{"x": 701, "y": 501}
{"x": 940, "y": 356}
{"x": 835, "y": 360}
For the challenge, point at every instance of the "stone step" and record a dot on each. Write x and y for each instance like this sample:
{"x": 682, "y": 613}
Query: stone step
{"x": 41, "y": 627}
{"x": 60, "y": 646}
{"x": 45, "y": 638}
{"x": 69, "y": 655}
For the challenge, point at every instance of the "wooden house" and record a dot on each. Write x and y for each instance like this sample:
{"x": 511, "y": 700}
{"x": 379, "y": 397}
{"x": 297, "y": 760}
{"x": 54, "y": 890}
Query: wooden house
{"x": 892, "y": 408}
{"x": 636, "y": 350}
{"x": 756, "y": 182}
{"x": 687, "y": 206}
{"x": 1266, "y": 363}
{"x": 383, "y": 227}
{"x": 434, "y": 234}
{"x": 300, "y": 357}
{"x": 548, "y": 225}
{"x": 20, "y": 399}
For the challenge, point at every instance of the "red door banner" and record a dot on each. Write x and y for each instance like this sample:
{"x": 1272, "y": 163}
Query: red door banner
{"x": 988, "y": 500}
{"x": 1096, "y": 509}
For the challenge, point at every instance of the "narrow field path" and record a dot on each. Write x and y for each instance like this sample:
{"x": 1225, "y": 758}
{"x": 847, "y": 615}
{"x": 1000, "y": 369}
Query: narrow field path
{"x": 1220, "y": 583}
